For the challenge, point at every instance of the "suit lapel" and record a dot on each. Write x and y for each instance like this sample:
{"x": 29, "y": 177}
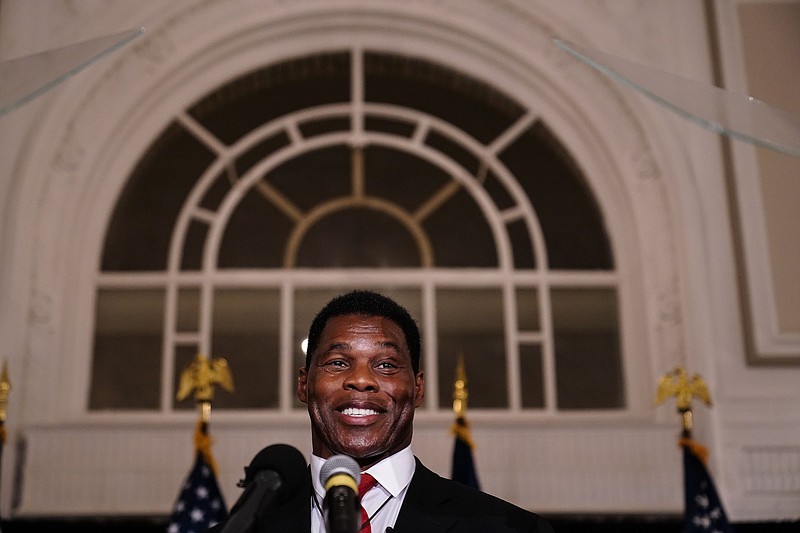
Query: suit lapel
{"x": 422, "y": 507}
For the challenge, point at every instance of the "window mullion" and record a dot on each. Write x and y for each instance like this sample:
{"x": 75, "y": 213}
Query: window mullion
{"x": 548, "y": 349}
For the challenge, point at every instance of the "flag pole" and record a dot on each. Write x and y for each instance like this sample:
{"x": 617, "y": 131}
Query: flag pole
{"x": 460, "y": 398}
{"x": 200, "y": 504}
{"x": 199, "y": 378}
{"x": 5, "y": 389}
{"x": 703, "y": 509}
{"x": 460, "y": 391}
{"x": 464, "y": 470}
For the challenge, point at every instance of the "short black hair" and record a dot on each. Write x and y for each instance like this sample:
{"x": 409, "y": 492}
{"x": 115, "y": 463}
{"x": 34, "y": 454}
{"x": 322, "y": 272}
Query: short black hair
{"x": 367, "y": 303}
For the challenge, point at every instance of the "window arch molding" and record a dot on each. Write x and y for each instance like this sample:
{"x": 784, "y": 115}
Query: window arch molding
{"x": 405, "y": 144}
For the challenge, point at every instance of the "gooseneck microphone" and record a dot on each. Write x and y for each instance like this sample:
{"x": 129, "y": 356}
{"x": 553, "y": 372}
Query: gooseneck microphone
{"x": 341, "y": 508}
{"x": 274, "y": 476}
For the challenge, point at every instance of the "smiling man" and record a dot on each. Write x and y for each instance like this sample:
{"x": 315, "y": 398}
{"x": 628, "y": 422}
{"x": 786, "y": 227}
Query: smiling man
{"x": 362, "y": 381}
{"x": 362, "y": 384}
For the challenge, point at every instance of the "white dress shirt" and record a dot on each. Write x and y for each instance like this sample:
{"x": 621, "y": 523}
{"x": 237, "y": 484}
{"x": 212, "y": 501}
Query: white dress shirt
{"x": 382, "y": 502}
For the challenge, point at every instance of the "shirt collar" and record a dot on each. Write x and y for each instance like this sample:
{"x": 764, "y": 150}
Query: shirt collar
{"x": 393, "y": 473}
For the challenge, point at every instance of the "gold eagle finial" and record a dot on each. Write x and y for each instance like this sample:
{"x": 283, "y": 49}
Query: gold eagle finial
{"x": 677, "y": 383}
{"x": 202, "y": 375}
{"x": 460, "y": 393}
{"x": 5, "y": 388}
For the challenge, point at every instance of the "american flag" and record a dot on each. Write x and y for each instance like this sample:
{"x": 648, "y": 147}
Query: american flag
{"x": 200, "y": 504}
{"x": 703, "y": 508}
{"x": 464, "y": 470}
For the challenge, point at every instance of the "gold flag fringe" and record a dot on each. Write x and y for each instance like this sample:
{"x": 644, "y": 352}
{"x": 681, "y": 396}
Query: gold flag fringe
{"x": 202, "y": 443}
{"x": 698, "y": 449}
{"x": 461, "y": 430}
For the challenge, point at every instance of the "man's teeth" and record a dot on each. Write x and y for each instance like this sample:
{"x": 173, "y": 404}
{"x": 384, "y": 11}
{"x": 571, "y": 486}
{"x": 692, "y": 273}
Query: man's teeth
{"x": 352, "y": 411}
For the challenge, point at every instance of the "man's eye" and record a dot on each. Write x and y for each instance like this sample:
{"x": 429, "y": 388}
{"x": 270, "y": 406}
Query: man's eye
{"x": 386, "y": 365}
{"x": 335, "y": 363}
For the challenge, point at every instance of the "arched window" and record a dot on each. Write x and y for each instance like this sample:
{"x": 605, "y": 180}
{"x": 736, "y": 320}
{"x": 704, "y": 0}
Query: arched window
{"x": 307, "y": 178}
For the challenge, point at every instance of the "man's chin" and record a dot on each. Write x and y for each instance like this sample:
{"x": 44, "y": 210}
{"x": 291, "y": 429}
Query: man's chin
{"x": 362, "y": 452}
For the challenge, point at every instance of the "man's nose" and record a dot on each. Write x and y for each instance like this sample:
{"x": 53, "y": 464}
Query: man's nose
{"x": 361, "y": 378}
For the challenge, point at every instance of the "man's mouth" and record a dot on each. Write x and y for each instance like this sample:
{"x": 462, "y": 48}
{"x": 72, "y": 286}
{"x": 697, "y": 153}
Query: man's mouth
{"x": 356, "y": 411}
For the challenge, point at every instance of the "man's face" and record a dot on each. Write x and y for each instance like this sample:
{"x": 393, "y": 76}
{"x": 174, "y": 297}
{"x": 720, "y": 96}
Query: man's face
{"x": 360, "y": 389}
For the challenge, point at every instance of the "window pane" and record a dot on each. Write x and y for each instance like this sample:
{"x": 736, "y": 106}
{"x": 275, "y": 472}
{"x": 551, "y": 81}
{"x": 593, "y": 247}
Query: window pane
{"x": 193, "y": 244}
{"x": 521, "y": 244}
{"x": 527, "y": 309}
{"x": 256, "y": 234}
{"x": 572, "y": 224}
{"x": 314, "y": 176}
{"x": 401, "y": 177}
{"x": 498, "y": 191}
{"x": 385, "y": 125}
{"x": 588, "y": 366}
{"x": 359, "y": 237}
{"x": 316, "y": 127}
{"x": 470, "y": 322}
{"x": 260, "y": 151}
{"x": 246, "y": 326}
{"x": 188, "y": 319}
{"x": 531, "y": 376}
{"x": 140, "y": 230}
{"x": 126, "y": 371}
{"x": 468, "y": 103}
{"x": 455, "y": 151}
{"x": 241, "y": 105}
{"x": 460, "y": 234}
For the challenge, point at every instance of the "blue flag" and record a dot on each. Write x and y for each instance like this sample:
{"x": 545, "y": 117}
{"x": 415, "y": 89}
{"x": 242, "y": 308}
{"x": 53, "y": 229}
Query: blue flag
{"x": 703, "y": 508}
{"x": 200, "y": 504}
{"x": 463, "y": 465}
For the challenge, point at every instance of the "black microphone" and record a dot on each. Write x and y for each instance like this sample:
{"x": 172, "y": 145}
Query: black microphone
{"x": 275, "y": 475}
{"x": 340, "y": 476}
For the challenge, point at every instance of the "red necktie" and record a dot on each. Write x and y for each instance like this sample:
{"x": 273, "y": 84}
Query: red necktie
{"x": 366, "y": 483}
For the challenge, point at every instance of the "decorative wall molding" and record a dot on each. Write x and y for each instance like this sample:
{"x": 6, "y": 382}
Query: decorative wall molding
{"x": 766, "y": 342}
{"x": 771, "y": 470}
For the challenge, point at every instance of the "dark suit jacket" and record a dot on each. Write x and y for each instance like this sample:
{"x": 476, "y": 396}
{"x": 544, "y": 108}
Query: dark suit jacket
{"x": 432, "y": 504}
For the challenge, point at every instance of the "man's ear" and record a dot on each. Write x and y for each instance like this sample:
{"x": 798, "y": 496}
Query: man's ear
{"x": 419, "y": 388}
{"x": 302, "y": 383}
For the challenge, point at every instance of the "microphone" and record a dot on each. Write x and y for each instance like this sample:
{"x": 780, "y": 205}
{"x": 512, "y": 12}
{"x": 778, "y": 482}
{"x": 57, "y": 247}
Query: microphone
{"x": 275, "y": 475}
{"x": 340, "y": 476}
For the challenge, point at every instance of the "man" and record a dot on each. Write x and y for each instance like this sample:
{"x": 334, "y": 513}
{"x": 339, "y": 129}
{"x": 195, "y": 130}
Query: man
{"x": 362, "y": 383}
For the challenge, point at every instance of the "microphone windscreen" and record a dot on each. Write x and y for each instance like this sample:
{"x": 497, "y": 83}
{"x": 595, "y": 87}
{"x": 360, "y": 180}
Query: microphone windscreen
{"x": 286, "y": 461}
{"x": 339, "y": 464}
